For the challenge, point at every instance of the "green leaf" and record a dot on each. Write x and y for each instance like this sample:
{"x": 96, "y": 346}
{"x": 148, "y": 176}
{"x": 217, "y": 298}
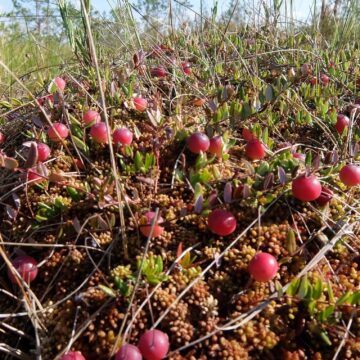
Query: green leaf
{"x": 107, "y": 290}
{"x": 330, "y": 292}
{"x": 303, "y": 287}
{"x": 308, "y": 159}
{"x": 269, "y": 93}
{"x": 345, "y": 298}
{"x": 326, "y": 313}
{"x": 291, "y": 241}
{"x": 312, "y": 307}
{"x": 355, "y": 298}
{"x": 324, "y": 336}
{"x": 74, "y": 194}
{"x": 293, "y": 287}
{"x": 317, "y": 289}
{"x": 80, "y": 144}
{"x": 138, "y": 161}
{"x": 149, "y": 161}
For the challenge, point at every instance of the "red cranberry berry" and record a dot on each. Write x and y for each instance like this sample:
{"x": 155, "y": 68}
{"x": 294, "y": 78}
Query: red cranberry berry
{"x": 342, "y": 122}
{"x": 154, "y": 345}
{"x": 128, "y": 352}
{"x": 216, "y": 145}
{"x": 26, "y": 266}
{"x": 140, "y": 104}
{"x": 91, "y": 117}
{"x": 43, "y": 152}
{"x": 2, "y": 138}
{"x": 248, "y": 135}
{"x": 255, "y": 150}
{"x": 324, "y": 79}
{"x": 122, "y": 136}
{"x": 145, "y": 228}
{"x": 186, "y": 67}
{"x": 222, "y": 222}
{"x": 58, "y": 132}
{"x": 263, "y": 267}
{"x": 306, "y": 188}
{"x": 158, "y": 71}
{"x": 73, "y": 355}
{"x": 198, "y": 142}
{"x": 99, "y": 133}
{"x": 350, "y": 175}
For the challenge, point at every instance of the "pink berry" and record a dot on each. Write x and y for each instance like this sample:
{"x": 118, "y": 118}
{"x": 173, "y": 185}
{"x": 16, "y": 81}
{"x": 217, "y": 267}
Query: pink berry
{"x": 140, "y": 104}
{"x": 216, "y": 145}
{"x": 122, "y": 136}
{"x": 324, "y": 79}
{"x": 306, "y": 188}
{"x": 98, "y": 133}
{"x": 198, "y": 142}
{"x": 73, "y": 355}
{"x": 325, "y": 196}
{"x": 186, "y": 67}
{"x": 154, "y": 345}
{"x": 91, "y": 117}
{"x": 58, "y": 132}
{"x": 43, "y": 152}
{"x": 145, "y": 228}
{"x": 158, "y": 71}
{"x": 26, "y": 266}
{"x": 341, "y": 123}
{"x": 263, "y": 267}
{"x": 60, "y": 83}
{"x": 350, "y": 175}
{"x": 248, "y": 135}
{"x": 32, "y": 177}
{"x": 299, "y": 156}
{"x": 255, "y": 150}
{"x": 222, "y": 222}
{"x": 2, "y": 138}
{"x": 128, "y": 352}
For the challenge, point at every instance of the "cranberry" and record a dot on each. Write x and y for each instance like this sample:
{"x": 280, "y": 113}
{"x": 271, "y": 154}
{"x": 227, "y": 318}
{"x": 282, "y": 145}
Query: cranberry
{"x": 248, "y": 135}
{"x": 198, "y": 142}
{"x": 186, "y": 68}
{"x": 255, "y": 150}
{"x": 350, "y": 175}
{"x": 122, "y": 136}
{"x": 341, "y": 123}
{"x": 313, "y": 81}
{"x": 73, "y": 355}
{"x": 128, "y": 352}
{"x": 91, "y": 117}
{"x": 306, "y": 188}
{"x": 145, "y": 229}
{"x": 43, "y": 151}
{"x": 158, "y": 71}
{"x": 60, "y": 83}
{"x": 32, "y": 177}
{"x": 299, "y": 156}
{"x": 305, "y": 69}
{"x": 26, "y": 266}
{"x": 325, "y": 196}
{"x": 222, "y": 222}
{"x": 2, "y": 138}
{"x": 140, "y": 104}
{"x": 99, "y": 133}
{"x": 263, "y": 267}
{"x": 216, "y": 145}
{"x": 154, "y": 345}
{"x": 324, "y": 79}
{"x": 58, "y": 132}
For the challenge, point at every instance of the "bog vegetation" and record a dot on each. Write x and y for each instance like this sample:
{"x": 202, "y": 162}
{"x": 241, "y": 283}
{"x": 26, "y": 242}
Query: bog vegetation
{"x": 181, "y": 189}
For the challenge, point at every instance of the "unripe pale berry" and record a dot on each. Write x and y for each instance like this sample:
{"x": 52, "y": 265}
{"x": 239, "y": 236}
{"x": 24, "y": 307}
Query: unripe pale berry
{"x": 306, "y": 188}
{"x": 73, "y": 355}
{"x": 350, "y": 175}
{"x": 91, "y": 117}
{"x": 60, "y": 83}
{"x": 255, "y": 150}
{"x": 154, "y": 345}
{"x": 263, "y": 267}
{"x": 222, "y": 222}
{"x": 342, "y": 122}
{"x": 140, "y": 104}
{"x": 58, "y": 132}
{"x": 99, "y": 133}
{"x": 198, "y": 142}
{"x": 128, "y": 352}
{"x": 43, "y": 151}
{"x": 216, "y": 145}
{"x": 26, "y": 266}
{"x": 145, "y": 227}
{"x": 122, "y": 136}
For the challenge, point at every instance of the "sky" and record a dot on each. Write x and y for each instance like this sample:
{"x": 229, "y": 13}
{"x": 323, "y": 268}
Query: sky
{"x": 301, "y": 7}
